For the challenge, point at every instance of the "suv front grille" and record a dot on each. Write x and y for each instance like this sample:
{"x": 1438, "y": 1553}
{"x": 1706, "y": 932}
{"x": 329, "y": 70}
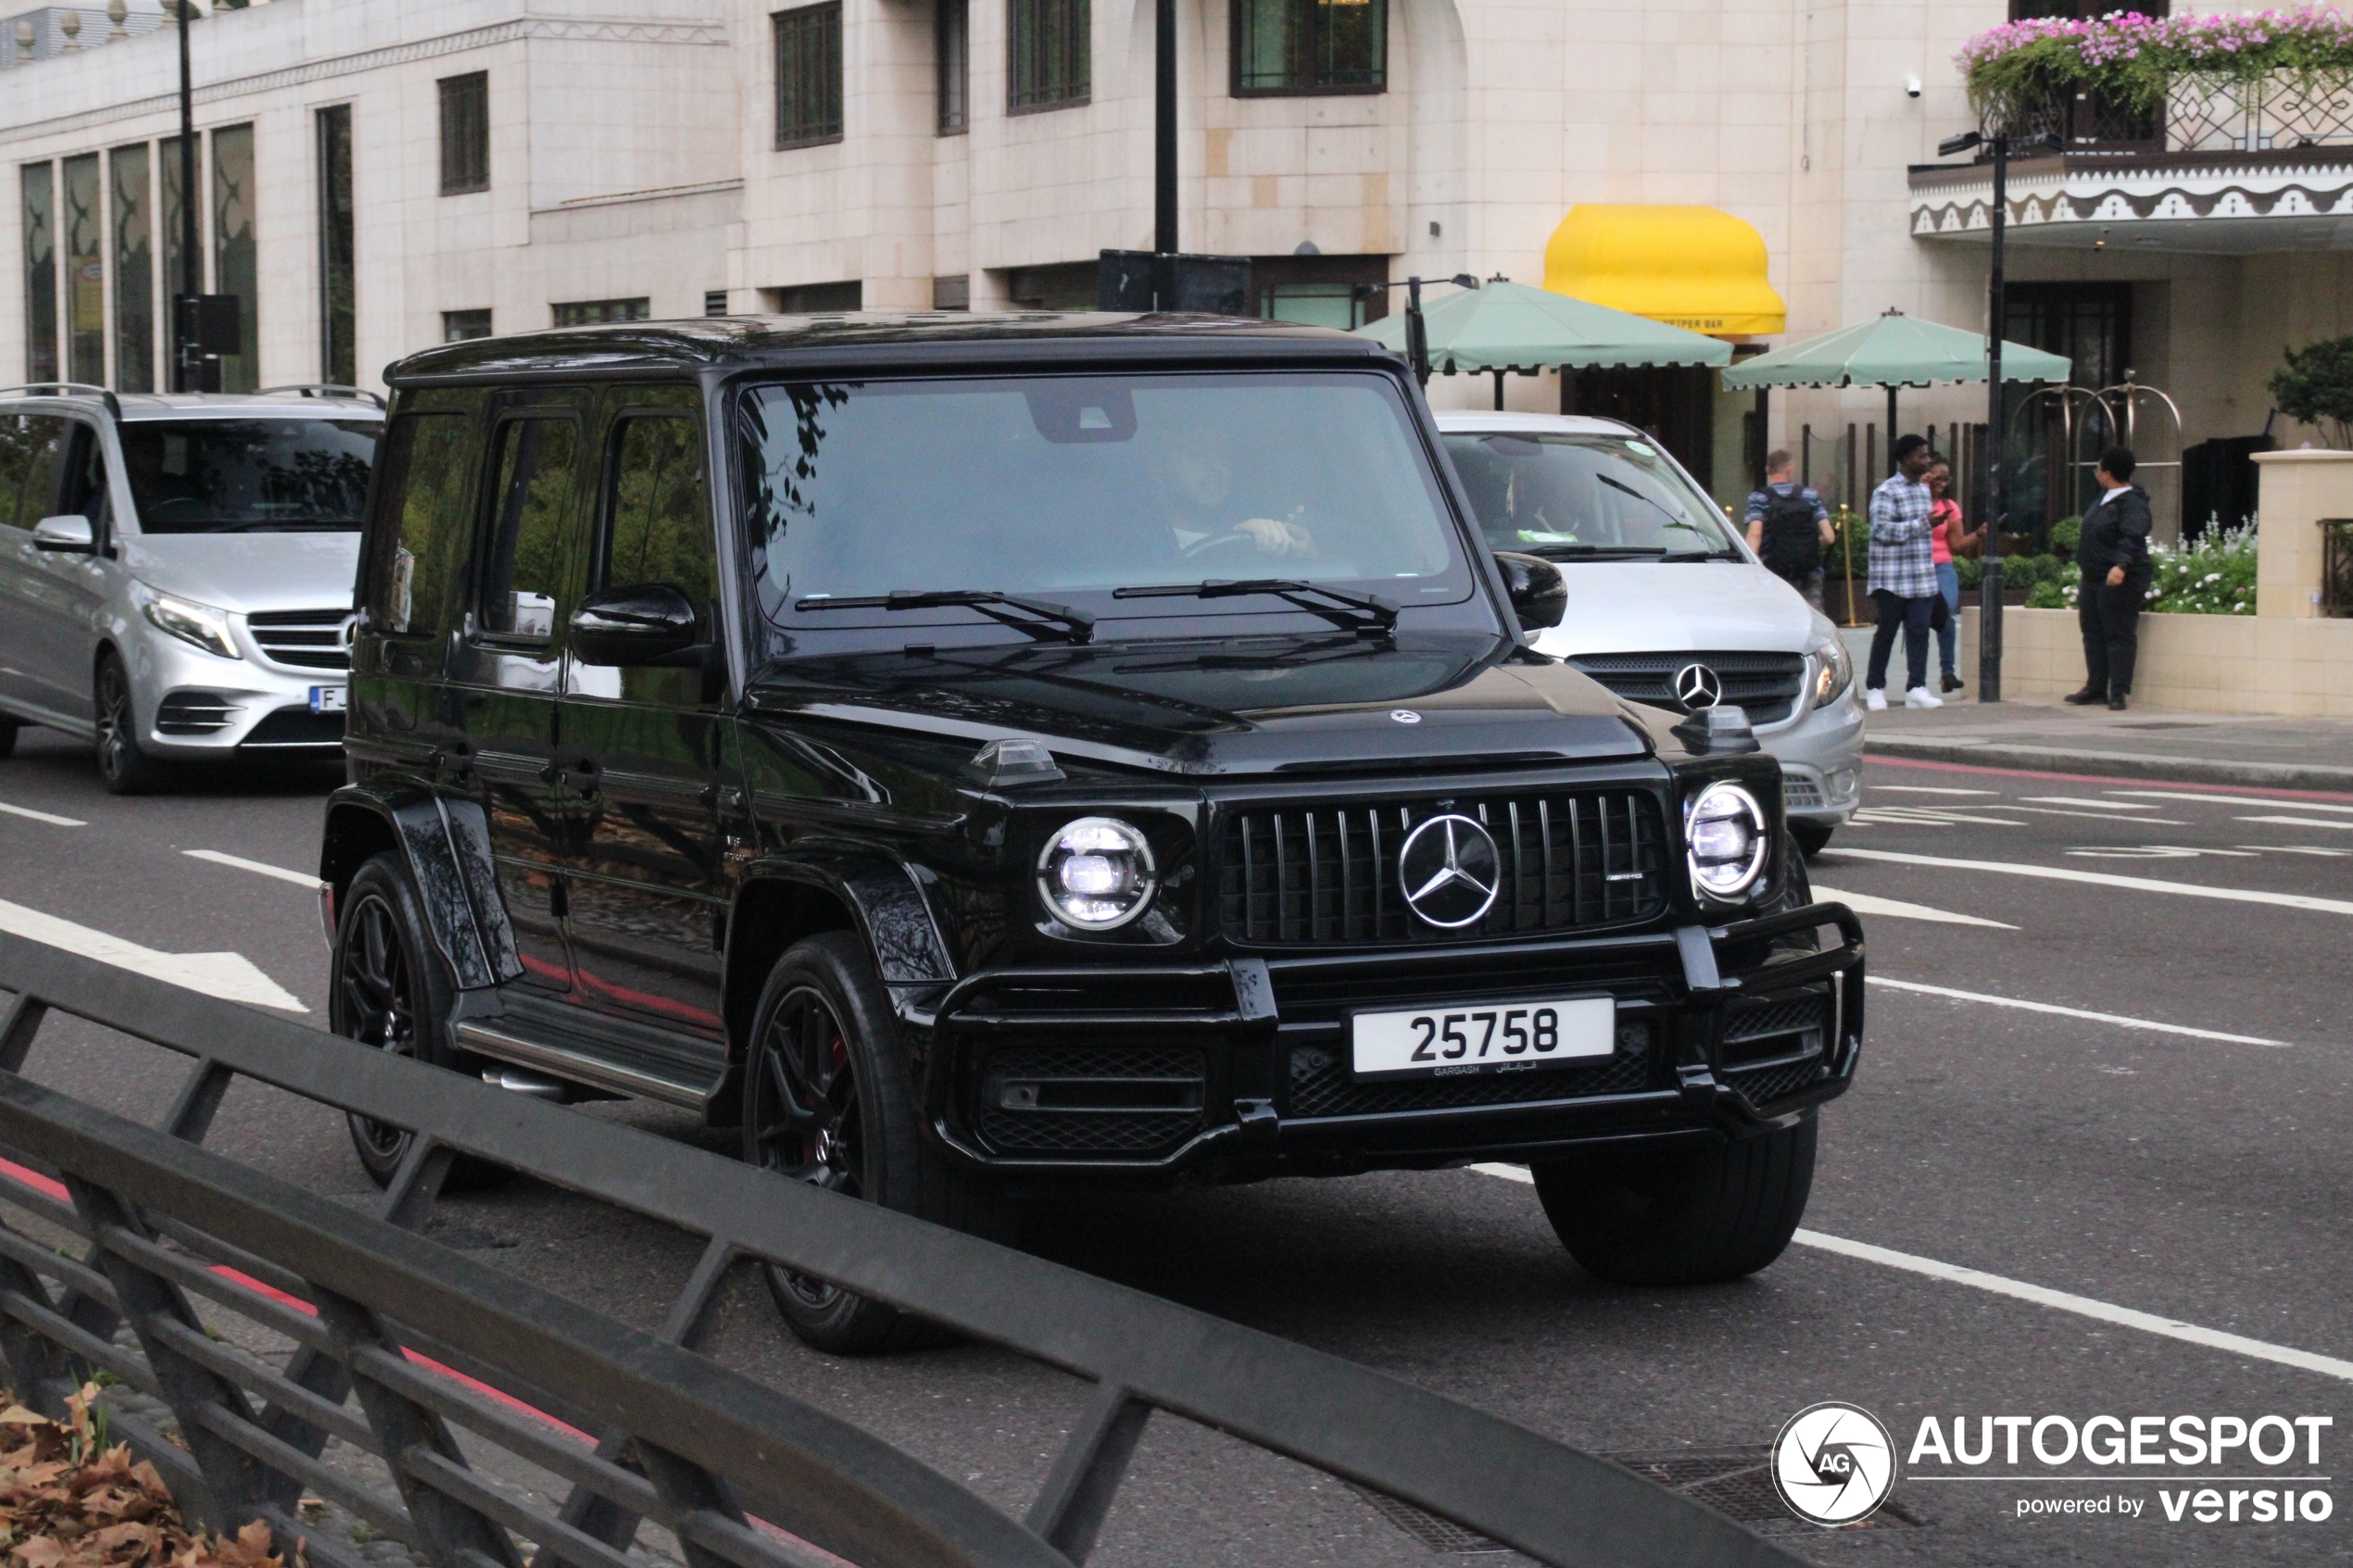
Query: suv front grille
{"x": 1765, "y": 685}
{"x": 1309, "y": 874}
{"x": 1322, "y": 1086}
{"x": 305, "y": 639}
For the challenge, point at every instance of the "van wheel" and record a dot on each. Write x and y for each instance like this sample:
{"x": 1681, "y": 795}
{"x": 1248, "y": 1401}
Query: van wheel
{"x": 122, "y": 767}
{"x": 388, "y": 990}
{"x": 1681, "y": 1216}
{"x": 1812, "y": 837}
{"x": 829, "y": 1099}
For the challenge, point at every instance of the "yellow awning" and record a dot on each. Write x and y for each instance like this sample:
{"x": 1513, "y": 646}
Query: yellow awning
{"x": 1690, "y": 267}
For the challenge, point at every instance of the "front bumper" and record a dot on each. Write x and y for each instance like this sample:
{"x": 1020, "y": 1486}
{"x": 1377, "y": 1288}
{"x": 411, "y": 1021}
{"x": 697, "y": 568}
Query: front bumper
{"x": 1820, "y": 752}
{"x": 1240, "y": 1068}
{"x": 191, "y": 705}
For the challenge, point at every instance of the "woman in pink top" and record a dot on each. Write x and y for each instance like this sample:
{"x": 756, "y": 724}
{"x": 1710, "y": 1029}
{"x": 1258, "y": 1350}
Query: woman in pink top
{"x": 1947, "y": 532}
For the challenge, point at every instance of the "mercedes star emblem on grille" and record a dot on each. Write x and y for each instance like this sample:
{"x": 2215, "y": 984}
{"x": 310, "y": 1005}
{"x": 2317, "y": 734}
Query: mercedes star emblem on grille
{"x": 1696, "y": 687}
{"x": 1450, "y": 871}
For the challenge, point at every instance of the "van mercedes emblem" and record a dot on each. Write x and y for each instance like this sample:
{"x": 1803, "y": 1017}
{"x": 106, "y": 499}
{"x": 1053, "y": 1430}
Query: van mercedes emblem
{"x": 1450, "y": 871}
{"x": 1404, "y": 715}
{"x": 1696, "y": 687}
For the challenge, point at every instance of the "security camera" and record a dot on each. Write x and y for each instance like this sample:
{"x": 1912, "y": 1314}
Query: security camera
{"x": 1911, "y": 87}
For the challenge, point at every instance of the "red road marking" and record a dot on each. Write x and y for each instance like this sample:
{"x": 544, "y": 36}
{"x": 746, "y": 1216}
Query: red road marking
{"x": 2111, "y": 780}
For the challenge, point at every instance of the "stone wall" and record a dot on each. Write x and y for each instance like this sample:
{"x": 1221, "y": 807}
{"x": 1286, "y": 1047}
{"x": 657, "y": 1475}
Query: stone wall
{"x": 2189, "y": 663}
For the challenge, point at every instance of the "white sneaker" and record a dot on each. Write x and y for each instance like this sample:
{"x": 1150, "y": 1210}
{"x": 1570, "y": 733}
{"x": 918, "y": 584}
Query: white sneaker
{"x": 1920, "y": 697}
{"x": 1876, "y": 700}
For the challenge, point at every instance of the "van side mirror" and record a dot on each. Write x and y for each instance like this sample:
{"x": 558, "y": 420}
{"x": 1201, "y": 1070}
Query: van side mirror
{"x": 1539, "y": 592}
{"x": 642, "y": 625}
{"x": 68, "y": 533}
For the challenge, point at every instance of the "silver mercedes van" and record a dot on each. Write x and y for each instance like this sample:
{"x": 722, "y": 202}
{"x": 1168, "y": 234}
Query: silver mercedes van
{"x": 176, "y": 572}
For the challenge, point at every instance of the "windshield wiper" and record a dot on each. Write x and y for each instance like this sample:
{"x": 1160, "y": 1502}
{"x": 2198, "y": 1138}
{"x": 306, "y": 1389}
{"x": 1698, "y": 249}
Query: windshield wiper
{"x": 1357, "y": 612}
{"x": 1588, "y": 552}
{"x": 1672, "y": 556}
{"x": 1040, "y": 620}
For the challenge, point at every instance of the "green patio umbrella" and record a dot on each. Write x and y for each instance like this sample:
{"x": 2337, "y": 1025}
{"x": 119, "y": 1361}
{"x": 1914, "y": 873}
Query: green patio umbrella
{"x": 1502, "y": 326}
{"x": 1896, "y": 350}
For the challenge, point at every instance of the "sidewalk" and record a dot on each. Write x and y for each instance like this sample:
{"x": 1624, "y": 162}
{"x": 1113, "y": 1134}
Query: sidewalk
{"x": 2192, "y": 747}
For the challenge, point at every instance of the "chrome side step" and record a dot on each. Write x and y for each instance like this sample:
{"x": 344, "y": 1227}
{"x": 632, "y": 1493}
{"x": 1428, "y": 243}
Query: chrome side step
{"x": 576, "y": 1066}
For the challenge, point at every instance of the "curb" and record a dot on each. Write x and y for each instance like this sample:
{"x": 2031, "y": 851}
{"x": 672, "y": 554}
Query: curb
{"x": 2118, "y": 764}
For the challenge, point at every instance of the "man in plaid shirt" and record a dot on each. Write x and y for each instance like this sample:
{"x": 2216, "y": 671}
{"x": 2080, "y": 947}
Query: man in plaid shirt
{"x": 1903, "y": 579}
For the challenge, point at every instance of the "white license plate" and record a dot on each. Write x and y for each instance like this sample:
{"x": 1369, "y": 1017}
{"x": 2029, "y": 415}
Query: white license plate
{"x": 326, "y": 699}
{"x": 1469, "y": 1037}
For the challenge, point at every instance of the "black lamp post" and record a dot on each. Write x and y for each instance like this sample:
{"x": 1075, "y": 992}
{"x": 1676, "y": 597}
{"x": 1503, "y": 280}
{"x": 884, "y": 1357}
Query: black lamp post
{"x": 187, "y": 357}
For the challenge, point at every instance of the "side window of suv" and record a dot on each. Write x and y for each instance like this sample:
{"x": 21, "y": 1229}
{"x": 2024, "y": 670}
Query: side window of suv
{"x": 658, "y": 527}
{"x": 85, "y": 489}
{"x": 31, "y": 445}
{"x": 421, "y": 516}
{"x": 531, "y": 500}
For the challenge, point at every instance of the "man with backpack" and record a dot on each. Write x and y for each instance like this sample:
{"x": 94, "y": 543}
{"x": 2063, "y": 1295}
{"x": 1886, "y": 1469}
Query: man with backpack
{"x": 1789, "y": 527}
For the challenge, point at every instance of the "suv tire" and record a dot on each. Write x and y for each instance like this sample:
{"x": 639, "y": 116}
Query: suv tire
{"x": 386, "y": 989}
{"x": 122, "y": 767}
{"x": 1681, "y": 1216}
{"x": 829, "y": 1099}
{"x": 1812, "y": 837}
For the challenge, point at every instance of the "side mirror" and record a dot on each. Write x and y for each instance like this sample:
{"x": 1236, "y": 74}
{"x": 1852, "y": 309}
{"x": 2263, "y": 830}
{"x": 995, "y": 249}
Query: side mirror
{"x": 642, "y": 625}
{"x": 69, "y": 532}
{"x": 1539, "y": 592}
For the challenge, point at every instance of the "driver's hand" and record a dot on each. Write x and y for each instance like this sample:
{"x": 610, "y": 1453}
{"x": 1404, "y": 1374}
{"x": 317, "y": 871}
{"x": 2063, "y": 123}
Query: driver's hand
{"x": 1274, "y": 537}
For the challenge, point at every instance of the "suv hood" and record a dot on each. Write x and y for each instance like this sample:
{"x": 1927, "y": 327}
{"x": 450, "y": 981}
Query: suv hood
{"x": 1691, "y": 607}
{"x": 1270, "y": 705}
{"x": 248, "y": 572}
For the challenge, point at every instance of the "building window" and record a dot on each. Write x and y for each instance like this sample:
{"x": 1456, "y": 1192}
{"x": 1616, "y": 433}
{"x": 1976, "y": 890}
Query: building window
{"x": 86, "y": 272}
{"x": 338, "y": 315}
{"x": 463, "y": 326}
{"x": 952, "y": 290}
{"x": 1310, "y": 47}
{"x": 39, "y": 274}
{"x": 952, "y": 25}
{"x": 817, "y": 299}
{"x": 465, "y": 133}
{"x": 1049, "y": 64}
{"x": 809, "y": 75}
{"x": 588, "y": 312}
{"x": 134, "y": 270}
{"x": 235, "y": 260}
{"x": 714, "y": 302}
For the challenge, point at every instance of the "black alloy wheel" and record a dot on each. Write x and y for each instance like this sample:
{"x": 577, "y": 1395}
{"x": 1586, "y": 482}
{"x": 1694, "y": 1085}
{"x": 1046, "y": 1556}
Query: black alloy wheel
{"x": 122, "y": 767}
{"x": 803, "y": 1123}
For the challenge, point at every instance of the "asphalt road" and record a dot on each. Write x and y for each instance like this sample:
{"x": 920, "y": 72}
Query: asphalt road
{"x": 2199, "y": 1181}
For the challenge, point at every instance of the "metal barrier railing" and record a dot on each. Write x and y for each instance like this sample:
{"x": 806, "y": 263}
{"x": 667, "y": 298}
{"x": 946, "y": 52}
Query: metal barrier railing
{"x": 382, "y": 1343}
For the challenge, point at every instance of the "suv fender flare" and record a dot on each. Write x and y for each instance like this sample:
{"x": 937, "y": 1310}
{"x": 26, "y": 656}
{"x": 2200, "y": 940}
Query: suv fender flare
{"x": 447, "y": 845}
{"x": 882, "y": 894}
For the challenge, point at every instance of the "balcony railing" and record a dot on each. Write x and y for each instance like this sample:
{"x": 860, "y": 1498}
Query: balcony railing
{"x": 2204, "y": 115}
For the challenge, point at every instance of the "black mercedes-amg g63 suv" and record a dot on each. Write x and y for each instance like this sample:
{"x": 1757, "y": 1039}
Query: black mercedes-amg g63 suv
{"x": 971, "y": 753}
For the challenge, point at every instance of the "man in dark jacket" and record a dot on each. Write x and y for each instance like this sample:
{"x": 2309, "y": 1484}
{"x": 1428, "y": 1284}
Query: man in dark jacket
{"x": 2114, "y": 555}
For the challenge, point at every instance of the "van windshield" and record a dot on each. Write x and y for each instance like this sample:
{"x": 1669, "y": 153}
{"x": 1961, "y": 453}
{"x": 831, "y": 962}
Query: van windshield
{"x": 1580, "y": 496}
{"x": 1066, "y": 488}
{"x": 248, "y": 476}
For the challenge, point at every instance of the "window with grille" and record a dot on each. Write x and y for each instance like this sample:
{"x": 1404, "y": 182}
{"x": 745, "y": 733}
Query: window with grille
{"x": 952, "y": 25}
{"x": 1048, "y": 65}
{"x": 463, "y": 326}
{"x": 465, "y": 133}
{"x": 807, "y": 75}
{"x": 1310, "y": 47}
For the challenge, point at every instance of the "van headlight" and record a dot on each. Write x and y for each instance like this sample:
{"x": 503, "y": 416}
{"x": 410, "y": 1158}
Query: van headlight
{"x": 1096, "y": 875}
{"x": 1725, "y": 829}
{"x": 199, "y": 625}
{"x": 1833, "y": 670}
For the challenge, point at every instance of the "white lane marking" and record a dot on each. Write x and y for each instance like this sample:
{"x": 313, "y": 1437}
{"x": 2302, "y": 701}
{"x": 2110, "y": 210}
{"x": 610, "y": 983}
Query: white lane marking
{"x": 2288, "y": 822}
{"x": 2100, "y": 816}
{"x": 2041, "y": 1296}
{"x": 50, "y": 817}
{"x": 2159, "y": 852}
{"x": 259, "y": 868}
{"x": 2229, "y": 799}
{"x": 2292, "y": 850}
{"x": 2109, "y": 879}
{"x": 1931, "y": 816}
{"x": 1895, "y": 909}
{"x": 230, "y": 976}
{"x": 1932, "y": 789}
{"x": 2117, "y": 1019}
{"x": 2086, "y": 800}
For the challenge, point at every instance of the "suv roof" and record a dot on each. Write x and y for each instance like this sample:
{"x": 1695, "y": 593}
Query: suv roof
{"x": 288, "y": 402}
{"x": 731, "y": 342}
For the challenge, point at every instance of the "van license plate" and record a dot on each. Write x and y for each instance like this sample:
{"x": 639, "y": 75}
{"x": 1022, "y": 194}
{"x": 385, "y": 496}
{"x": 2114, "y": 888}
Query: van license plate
{"x": 326, "y": 699}
{"x": 1474, "y": 1038}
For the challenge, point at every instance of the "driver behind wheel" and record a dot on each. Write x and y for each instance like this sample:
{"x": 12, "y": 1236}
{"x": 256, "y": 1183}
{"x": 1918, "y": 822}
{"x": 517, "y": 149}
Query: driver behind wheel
{"x": 1194, "y": 484}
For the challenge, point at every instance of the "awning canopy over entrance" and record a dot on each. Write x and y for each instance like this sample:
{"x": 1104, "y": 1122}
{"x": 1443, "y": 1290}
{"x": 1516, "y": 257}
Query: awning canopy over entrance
{"x": 1504, "y": 326}
{"x": 1690, "y": 267}
{"x": 1893, "y": 350}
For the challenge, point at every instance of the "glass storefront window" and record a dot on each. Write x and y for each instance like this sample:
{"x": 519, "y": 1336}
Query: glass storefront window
{"x": 135, "y": 271}
{"x": 235, "y": 265}
{"x": 338, "y": 317}
{"x": 86, "y": 272}
{"x": 40, "y": 229}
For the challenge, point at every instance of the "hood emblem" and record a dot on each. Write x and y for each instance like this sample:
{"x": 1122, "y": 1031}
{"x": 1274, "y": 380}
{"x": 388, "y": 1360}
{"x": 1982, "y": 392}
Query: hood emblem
{"x": 1404, "y": 715}
{"x": 1696, "y": 687}
{"x": 1450, "y": 871}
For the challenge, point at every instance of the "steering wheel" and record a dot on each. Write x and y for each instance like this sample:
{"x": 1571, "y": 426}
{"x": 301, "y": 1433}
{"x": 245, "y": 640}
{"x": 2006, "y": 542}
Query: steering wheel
{"x": 1220, "y": 542}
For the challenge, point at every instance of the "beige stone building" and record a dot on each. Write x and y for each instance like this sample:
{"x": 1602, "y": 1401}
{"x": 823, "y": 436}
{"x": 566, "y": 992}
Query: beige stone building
{"x": 377, "y": 177}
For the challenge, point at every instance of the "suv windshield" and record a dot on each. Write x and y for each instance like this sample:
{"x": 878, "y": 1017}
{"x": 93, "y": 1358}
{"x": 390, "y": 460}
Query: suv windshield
{"x": 248, "y": 476}
{"x": 1570, "y": 496}
{"x": 1066, "y": 488}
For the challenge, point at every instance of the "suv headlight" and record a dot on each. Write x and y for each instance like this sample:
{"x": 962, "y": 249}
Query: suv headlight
{"x": 1833, "y": 670}
{"x": 1096, "y": 875}
{"x": 199, "y": 625}
{"x": 1725, "y": 829}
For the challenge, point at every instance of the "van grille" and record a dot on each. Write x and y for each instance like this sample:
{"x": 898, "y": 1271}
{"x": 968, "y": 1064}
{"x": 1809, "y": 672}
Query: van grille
{"x": 1311, "y": 874}
{"x": 305, "y": 639}
{"x": 1765, "y": 685}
